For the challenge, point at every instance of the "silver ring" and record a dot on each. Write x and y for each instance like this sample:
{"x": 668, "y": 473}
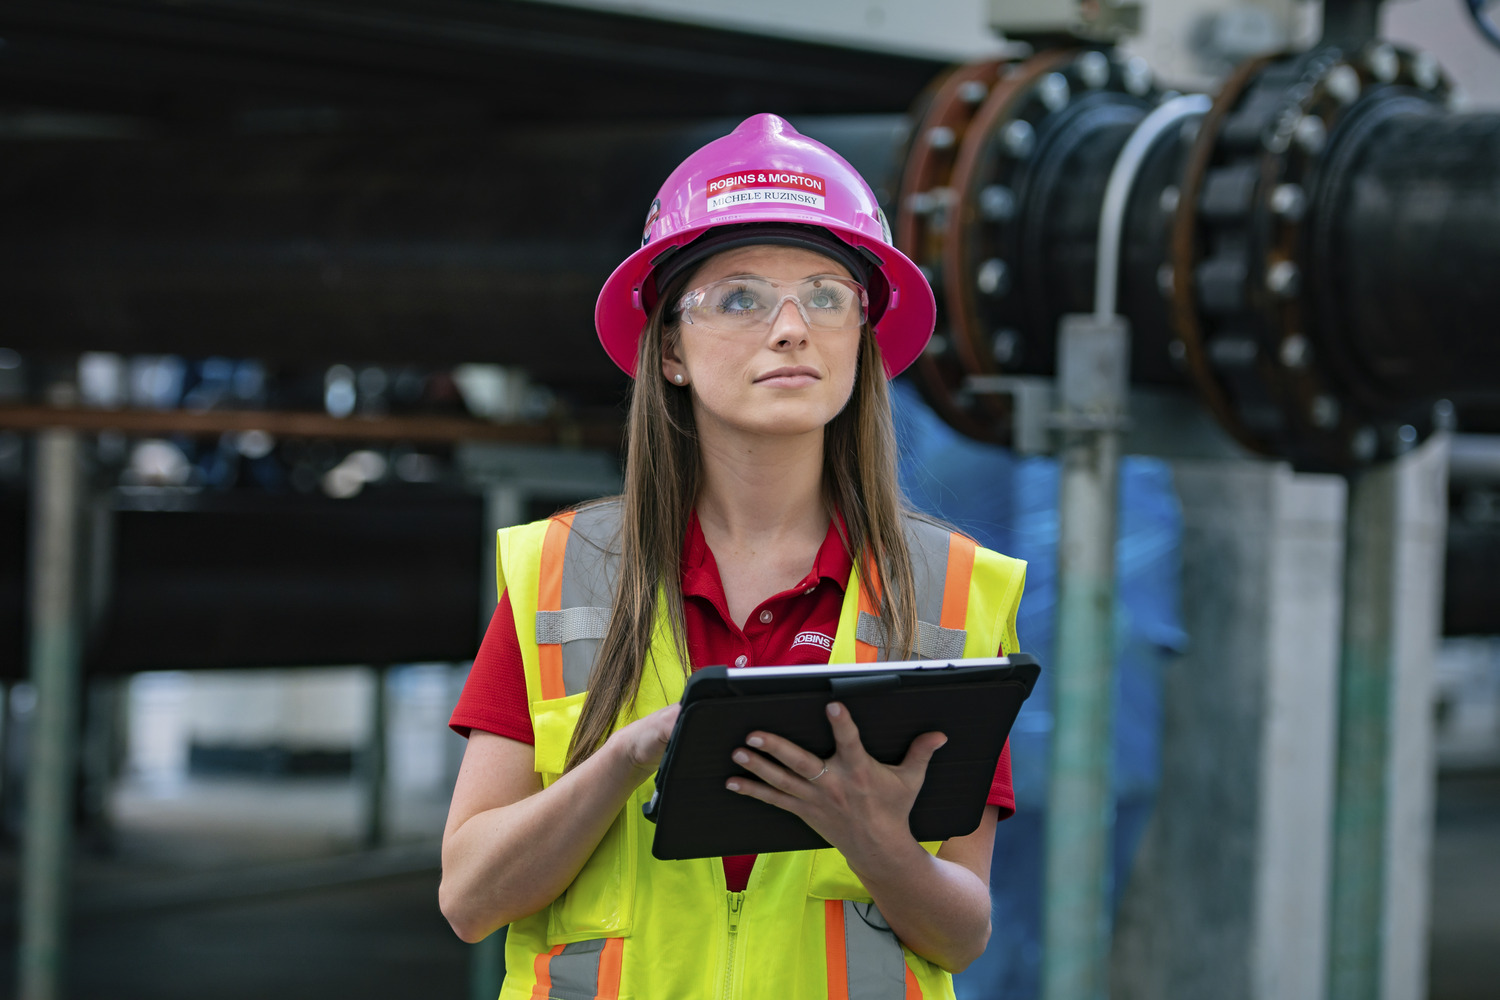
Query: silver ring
{"x": 820, "y": 773}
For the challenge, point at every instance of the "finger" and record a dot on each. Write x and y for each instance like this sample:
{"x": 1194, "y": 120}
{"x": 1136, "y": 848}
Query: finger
{"x": 648, "y": 738}
{"x": 790, "y": 755}
{"x": 771, "y": 796}
{"x": 665, "y": 720}
{"x": 845, "y": 732}
{"x": 919, "y": 754}
{"x": 660, "y": 725}
{"x": 769, "y": 771}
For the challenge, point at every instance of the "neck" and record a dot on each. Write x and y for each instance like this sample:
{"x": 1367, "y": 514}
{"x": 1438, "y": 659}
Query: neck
{"x": 762, "y": 487}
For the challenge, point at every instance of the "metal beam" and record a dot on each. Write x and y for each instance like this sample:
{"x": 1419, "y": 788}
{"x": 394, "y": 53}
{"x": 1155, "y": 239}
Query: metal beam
{"x": 1093, "y": 360}
{"x": 56, "y": 650}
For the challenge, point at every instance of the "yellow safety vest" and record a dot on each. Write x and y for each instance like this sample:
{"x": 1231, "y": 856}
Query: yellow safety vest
{"x": 630, "y": 927}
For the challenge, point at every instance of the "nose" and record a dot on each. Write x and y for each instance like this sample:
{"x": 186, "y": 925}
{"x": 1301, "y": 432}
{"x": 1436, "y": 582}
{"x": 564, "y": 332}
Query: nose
{"x": 789, "y": 325}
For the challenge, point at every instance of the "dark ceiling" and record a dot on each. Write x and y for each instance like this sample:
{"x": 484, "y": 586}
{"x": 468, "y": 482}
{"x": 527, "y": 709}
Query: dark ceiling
{"x": 214, "y": 64}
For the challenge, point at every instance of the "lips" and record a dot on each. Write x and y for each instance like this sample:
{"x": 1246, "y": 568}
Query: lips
{"x": 799, "y": 375}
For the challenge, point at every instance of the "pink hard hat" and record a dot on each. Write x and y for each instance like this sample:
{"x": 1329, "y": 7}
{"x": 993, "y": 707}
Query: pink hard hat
{"x": 766, "y": 183}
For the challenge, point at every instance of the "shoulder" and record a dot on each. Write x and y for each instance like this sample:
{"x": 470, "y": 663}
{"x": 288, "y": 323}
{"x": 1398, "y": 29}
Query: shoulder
{"x": 925, "y": 533}
{"x": 597, "y": 523}
{"x": 591, "y": 530}
{"x": 596, "y": 520}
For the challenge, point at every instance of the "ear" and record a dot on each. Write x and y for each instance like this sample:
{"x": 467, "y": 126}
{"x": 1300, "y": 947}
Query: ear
{"x": 671, "y": 364}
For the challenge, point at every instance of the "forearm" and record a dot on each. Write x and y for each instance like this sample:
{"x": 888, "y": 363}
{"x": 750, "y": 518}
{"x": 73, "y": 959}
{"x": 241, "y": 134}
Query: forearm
{"x": 508, "y": 862}
{"x": 939, "y": 909}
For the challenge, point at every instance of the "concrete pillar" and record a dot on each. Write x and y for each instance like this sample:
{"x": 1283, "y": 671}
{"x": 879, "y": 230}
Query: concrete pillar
{"x": 1386, "y": 769}
{"x": 1229, "y": 896}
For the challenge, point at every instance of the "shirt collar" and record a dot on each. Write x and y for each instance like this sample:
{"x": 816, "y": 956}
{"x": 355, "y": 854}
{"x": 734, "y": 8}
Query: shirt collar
{"x": 700, "y": 573}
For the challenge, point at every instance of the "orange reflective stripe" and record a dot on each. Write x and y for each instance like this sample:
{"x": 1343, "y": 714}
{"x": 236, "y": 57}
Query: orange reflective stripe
{"x": 543, "y": 984}
{"x": 869, "y": 603}
{"x": 610, "y": 960}
{"x": 549, "y": 598}
{"x": 913, "y": 988}
{"x": 838, "y": 963}
{"x": 956, "y": 586}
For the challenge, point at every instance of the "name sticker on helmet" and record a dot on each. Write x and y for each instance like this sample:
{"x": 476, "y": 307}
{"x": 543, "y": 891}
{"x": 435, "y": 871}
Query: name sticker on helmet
{"x": 781, "y": 186}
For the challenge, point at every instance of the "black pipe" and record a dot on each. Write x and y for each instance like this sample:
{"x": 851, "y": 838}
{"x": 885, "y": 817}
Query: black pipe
{"x": 1406, "y": 242}
{"x": 1063, "y": 236}
{"x": 444, "y": 247}
{"x": 1060, "y": 224}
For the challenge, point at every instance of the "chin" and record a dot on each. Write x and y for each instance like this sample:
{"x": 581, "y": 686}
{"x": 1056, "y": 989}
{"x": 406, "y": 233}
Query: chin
{"x": 782, "y": 425}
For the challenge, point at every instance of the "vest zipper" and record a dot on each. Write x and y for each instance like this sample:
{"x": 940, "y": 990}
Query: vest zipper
{"x": 736, "y": 903}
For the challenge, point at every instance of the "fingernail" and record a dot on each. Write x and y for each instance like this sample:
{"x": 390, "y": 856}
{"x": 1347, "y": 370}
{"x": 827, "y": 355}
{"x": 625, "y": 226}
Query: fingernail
{"x": 755, "y": 741}
{"x": 733, "y": 786}
{"x": 741, "y": 757}
{"x": 834, "y": 708}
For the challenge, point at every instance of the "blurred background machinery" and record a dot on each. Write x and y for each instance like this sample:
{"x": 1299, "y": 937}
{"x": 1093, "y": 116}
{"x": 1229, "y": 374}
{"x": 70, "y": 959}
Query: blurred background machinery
{"x": 298, "y": 309}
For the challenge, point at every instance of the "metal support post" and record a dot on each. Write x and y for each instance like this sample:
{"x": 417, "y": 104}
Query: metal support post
{"x": 1093, "y": 378}
{"x": 374, "y": 759}
{"x": 1385, "y": 773}
{"x": 47, "y": 837}
{"x": 1093, "y": 356}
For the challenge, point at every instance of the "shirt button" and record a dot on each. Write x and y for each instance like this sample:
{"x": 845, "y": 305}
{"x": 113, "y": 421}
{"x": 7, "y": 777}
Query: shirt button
{"x": 741, "y": 660}
{"x": 765, "y": 617}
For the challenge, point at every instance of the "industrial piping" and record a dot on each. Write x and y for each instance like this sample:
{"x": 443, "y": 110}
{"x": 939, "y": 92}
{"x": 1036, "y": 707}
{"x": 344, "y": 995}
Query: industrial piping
{"x": 1258, "y": 258}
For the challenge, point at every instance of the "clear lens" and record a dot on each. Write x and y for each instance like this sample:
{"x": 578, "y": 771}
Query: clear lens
{"x": 752, "y": 303}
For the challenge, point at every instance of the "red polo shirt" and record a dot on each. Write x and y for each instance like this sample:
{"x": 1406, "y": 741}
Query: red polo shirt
{"x": 794, "y": 627}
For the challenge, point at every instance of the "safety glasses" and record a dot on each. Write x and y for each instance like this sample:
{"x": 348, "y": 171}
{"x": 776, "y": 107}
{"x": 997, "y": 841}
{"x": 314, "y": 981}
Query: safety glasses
{"x": 750, "y": 303}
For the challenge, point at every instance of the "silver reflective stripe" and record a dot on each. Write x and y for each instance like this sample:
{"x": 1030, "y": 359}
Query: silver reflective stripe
{"x": 877, "y": 967}
{"x": 928, "y": 544}
{"x": 929, "y": 566}
{"x": 933, "y": 641}
{"x": 591, "y": 565}
{"x": 575, "y": 971}
{"x": 571, "y": 624}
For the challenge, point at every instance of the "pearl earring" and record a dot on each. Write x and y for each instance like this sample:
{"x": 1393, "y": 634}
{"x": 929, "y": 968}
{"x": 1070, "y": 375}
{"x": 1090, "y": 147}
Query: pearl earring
{"x": 677, "y": 378}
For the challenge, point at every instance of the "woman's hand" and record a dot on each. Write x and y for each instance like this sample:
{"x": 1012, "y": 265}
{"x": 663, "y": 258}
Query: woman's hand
{"x": 644, "y": 740}
{"x": 853, "y": 801}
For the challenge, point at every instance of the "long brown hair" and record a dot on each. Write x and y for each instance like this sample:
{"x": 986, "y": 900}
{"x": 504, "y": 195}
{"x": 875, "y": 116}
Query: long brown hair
{"x": 663, "y": 472}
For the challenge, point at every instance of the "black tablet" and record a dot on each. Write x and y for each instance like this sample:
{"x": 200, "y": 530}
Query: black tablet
{"x": 974, "y": 702}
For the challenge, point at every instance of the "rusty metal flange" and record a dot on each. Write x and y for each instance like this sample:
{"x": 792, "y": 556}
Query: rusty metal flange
{"x": 961, "y": 218}
{"x": 922, "y": 211}
{"x": 1241, "y": 302}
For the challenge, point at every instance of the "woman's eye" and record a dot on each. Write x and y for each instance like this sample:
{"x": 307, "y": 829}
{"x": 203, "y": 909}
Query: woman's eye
{"x": 826, "y": 298}
{"x": 738, "y": 301}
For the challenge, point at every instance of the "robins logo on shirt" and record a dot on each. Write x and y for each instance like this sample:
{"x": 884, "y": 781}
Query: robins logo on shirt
{"x": 813, "y": 639}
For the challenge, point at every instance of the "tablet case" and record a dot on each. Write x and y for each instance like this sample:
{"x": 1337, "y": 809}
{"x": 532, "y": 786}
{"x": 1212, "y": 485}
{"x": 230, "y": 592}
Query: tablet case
{"x": 973, "y": 702}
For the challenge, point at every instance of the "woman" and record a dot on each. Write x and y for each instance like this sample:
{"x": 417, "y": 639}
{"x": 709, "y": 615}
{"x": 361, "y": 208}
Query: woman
{"x": 760, "y": 524}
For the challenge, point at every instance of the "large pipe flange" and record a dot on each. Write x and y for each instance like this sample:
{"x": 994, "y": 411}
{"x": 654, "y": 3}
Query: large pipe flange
{"x": 1281, "y": 133}
{"x": 944, "y": 117}
{"x": 1027, "y": 152}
